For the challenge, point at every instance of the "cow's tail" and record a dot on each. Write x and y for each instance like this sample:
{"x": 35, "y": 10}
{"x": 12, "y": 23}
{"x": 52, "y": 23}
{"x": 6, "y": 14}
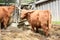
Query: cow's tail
{"x": 49, "y": 22}
{"x": 49, "y": 19}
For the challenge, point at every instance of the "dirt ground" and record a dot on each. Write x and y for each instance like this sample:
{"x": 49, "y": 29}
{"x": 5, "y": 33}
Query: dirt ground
{"x": 25, "y": 33}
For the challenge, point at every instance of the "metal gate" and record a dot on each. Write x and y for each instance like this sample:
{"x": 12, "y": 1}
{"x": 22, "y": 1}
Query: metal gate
{"x": 16, "y": 16}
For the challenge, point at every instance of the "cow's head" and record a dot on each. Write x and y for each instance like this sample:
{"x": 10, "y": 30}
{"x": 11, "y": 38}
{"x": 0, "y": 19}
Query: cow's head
{"x": 26, "y": 13}
{"x": 11, "y": 8}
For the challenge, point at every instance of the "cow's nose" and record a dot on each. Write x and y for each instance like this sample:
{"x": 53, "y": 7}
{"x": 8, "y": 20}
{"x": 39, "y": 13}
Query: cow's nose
{"x": 21, "y": 18}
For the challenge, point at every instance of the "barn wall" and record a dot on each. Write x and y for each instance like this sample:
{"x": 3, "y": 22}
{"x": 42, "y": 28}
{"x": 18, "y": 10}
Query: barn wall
{"x": 54, "y": 6}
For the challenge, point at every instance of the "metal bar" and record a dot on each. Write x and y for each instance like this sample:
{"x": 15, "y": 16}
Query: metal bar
{"x": 19, "y": 10}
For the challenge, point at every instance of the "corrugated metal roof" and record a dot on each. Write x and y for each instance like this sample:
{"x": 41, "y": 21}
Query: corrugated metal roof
{"x": 40, "y": 1}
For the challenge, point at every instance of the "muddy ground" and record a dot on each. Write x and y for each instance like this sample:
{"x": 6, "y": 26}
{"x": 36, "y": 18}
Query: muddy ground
{"x": 25, "y": 33}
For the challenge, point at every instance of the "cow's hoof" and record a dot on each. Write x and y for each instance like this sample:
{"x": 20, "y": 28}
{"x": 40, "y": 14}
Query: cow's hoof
{"x": 37, "y": 31}
{"x": 5, "y": 28}
{"x": 47, "y": 35}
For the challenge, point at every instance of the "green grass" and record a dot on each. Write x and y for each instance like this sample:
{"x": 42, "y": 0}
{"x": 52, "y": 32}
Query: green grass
{"x": 56, "y": 22}
{"x": 11, "y": 1}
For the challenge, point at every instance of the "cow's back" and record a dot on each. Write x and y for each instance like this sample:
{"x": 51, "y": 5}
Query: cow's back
{"x": 44, "y": 16}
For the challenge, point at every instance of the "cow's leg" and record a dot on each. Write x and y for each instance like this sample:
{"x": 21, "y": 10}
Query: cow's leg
{"x": 5, "y": 25}
{"x": 5, "y": 22}
{"x": 32, "y": 28}
{"x": 2, "y": 25}
{"x": 48, "y": 26}
{"x": 37, "y": 29}
{"x": 45, "y": 29}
